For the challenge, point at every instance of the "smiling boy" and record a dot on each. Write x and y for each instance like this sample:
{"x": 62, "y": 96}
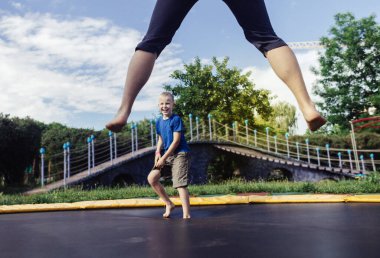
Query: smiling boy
{"x": 170, "y": 131}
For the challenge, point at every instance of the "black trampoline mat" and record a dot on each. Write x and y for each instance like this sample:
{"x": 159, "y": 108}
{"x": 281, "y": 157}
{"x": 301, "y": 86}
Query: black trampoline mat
{"x": 259, "y": 230}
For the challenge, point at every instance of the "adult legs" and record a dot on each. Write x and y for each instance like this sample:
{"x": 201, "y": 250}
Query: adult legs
{"x": 139, "y": 70}
{"x": 285, "y": 65}
{"x": 252, "y": 16}
{"x": 153, "y": 179}
{"x": 166, "y": 18}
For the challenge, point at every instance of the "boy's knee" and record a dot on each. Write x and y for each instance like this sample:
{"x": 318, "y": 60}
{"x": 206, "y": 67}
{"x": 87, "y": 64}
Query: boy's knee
{"x": 151, "y": 180}
{"x": 153, "y": 177}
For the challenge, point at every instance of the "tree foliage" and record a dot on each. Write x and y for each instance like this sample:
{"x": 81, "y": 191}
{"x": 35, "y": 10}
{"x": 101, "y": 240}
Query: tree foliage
{"x": 19, "y": 144}
{"x": 21, "y": 139}
{"x": 284, "y": 117}
{"x": 56, "y": 134}
{"x": 349, "y": 73}
{"x": 216, "y": 89}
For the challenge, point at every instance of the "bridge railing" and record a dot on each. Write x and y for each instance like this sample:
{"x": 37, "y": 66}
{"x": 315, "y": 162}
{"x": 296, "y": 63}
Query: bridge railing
{"x": 281, "y": 145}
{"x": 73, "y": 160}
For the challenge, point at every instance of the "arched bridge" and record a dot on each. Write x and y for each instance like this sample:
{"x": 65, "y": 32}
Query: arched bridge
{"x": 127, "y": 158}
{"x": 253, "y": 163}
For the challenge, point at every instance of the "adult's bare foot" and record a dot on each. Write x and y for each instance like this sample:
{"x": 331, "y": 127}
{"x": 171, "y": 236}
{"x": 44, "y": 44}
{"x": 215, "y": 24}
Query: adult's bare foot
{"x": 313, "y": 118}
{"x": 117, "y": 124}
{"x": 169, "y": 208}
{"x": 316, "y": 123}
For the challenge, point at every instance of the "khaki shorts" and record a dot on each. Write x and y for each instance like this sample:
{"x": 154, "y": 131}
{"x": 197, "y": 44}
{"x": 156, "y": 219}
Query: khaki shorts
{"x": 177, "y": 166}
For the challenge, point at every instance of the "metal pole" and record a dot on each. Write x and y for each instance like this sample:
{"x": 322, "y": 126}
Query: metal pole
{"x": 214, "y": 129}
{"x": 64, "y": 165}
{"x": 349, "y": 157}
{"x": 319, "y": 162}
{"x": 328, "y": 154}
{"x": 298, "y": 151}
{"x": 89, "y": 155}
{"x": 363, "y": 166}
{"x": 354, "y": 147}
{"x": 42, "y": 152}
{"x": 234, "y": 132}
{"x": 68, "y": 160}
{"x": 93, "y": 150}
{"x": 255, "y": 132}
{"x": 340, "y": 159}
{"x": 307, "y": 150}
{"x": 115, "y": 144}
{"x": 209, "y": 126}
{"x": 137, "y": 143}
{"x": 237, "y": 131}
{"x": 287, "y": 144}
{"x": 133, "y": 138}
{"x": 197, "y": 125}
{"x": 246, "y": 130}
{"x": 203, "y": 130}
{"x": 373, "y": 162}
{"x": 275, "y": 143}
{"x": 267, "y": 130}
{"x": 110, "y": 137}
{"x": 191, "y": 126}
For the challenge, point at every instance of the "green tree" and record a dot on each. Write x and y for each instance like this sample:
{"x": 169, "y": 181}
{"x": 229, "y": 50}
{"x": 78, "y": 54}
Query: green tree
{"x": 56, "y": 134}
{"x": 20, "y": 141}
{"x": 349, "y": 73}
{"x": 216, "y": 89}
{"x": 53, "y": 138}
{"x": 284, "y": 117}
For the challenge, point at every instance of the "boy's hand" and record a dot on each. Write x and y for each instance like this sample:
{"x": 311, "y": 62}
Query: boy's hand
{"x": 160, "y": 162}
{"x": 156, "y": 158}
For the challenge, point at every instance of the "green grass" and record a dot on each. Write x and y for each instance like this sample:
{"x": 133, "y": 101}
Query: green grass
{"x": 371, "y": 184}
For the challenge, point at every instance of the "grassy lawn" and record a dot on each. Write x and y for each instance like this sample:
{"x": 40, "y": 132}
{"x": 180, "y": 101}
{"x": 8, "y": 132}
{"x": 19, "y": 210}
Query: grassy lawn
{"x": 370, "y": 184}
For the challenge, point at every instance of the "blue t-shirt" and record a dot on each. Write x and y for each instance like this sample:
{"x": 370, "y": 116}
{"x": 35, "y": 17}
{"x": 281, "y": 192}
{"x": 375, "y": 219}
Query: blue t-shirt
{"x": 167, "y": 127}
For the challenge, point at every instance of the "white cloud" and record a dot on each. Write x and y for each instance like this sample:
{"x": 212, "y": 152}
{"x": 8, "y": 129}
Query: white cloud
{"x": 265, "y": 78}
{"x": 17, "y": 5}
{"x": 53, "y": 68}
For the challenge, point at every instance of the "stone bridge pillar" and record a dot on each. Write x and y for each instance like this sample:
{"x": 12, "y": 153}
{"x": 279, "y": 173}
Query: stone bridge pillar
{"x": 134, "y": 171}
{"x": 252, "y": 169}
{"x": 201, "y": 156}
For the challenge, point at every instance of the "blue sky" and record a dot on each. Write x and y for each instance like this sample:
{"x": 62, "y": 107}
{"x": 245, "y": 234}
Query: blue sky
{"x": 65, "y": 60}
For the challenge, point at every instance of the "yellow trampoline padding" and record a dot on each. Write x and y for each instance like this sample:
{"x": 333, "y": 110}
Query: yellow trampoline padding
{"x": 207, "y": 200}
{"x": 106, "y": 204}
{"x": 306, "y": 198}
{"x": 219, "y": 200}
{"x": 364, "y": 198}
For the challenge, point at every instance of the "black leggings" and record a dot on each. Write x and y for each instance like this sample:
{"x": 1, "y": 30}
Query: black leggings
{"x": 251, "y": 15}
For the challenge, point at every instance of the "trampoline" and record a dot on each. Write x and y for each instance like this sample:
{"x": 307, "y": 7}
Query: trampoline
{"x": 262, "y": 230}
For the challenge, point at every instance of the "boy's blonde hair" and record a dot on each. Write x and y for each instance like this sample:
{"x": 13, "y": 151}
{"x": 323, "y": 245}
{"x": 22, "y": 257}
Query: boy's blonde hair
{"x": 167, "y": 94}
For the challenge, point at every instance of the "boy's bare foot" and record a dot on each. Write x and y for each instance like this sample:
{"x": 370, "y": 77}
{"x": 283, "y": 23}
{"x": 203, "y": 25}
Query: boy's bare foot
{"x": 116, "y": 124}
{"x": 316, "y": 123}
{"x": 169, "y": 208}
{"x": 186, "y": 216}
